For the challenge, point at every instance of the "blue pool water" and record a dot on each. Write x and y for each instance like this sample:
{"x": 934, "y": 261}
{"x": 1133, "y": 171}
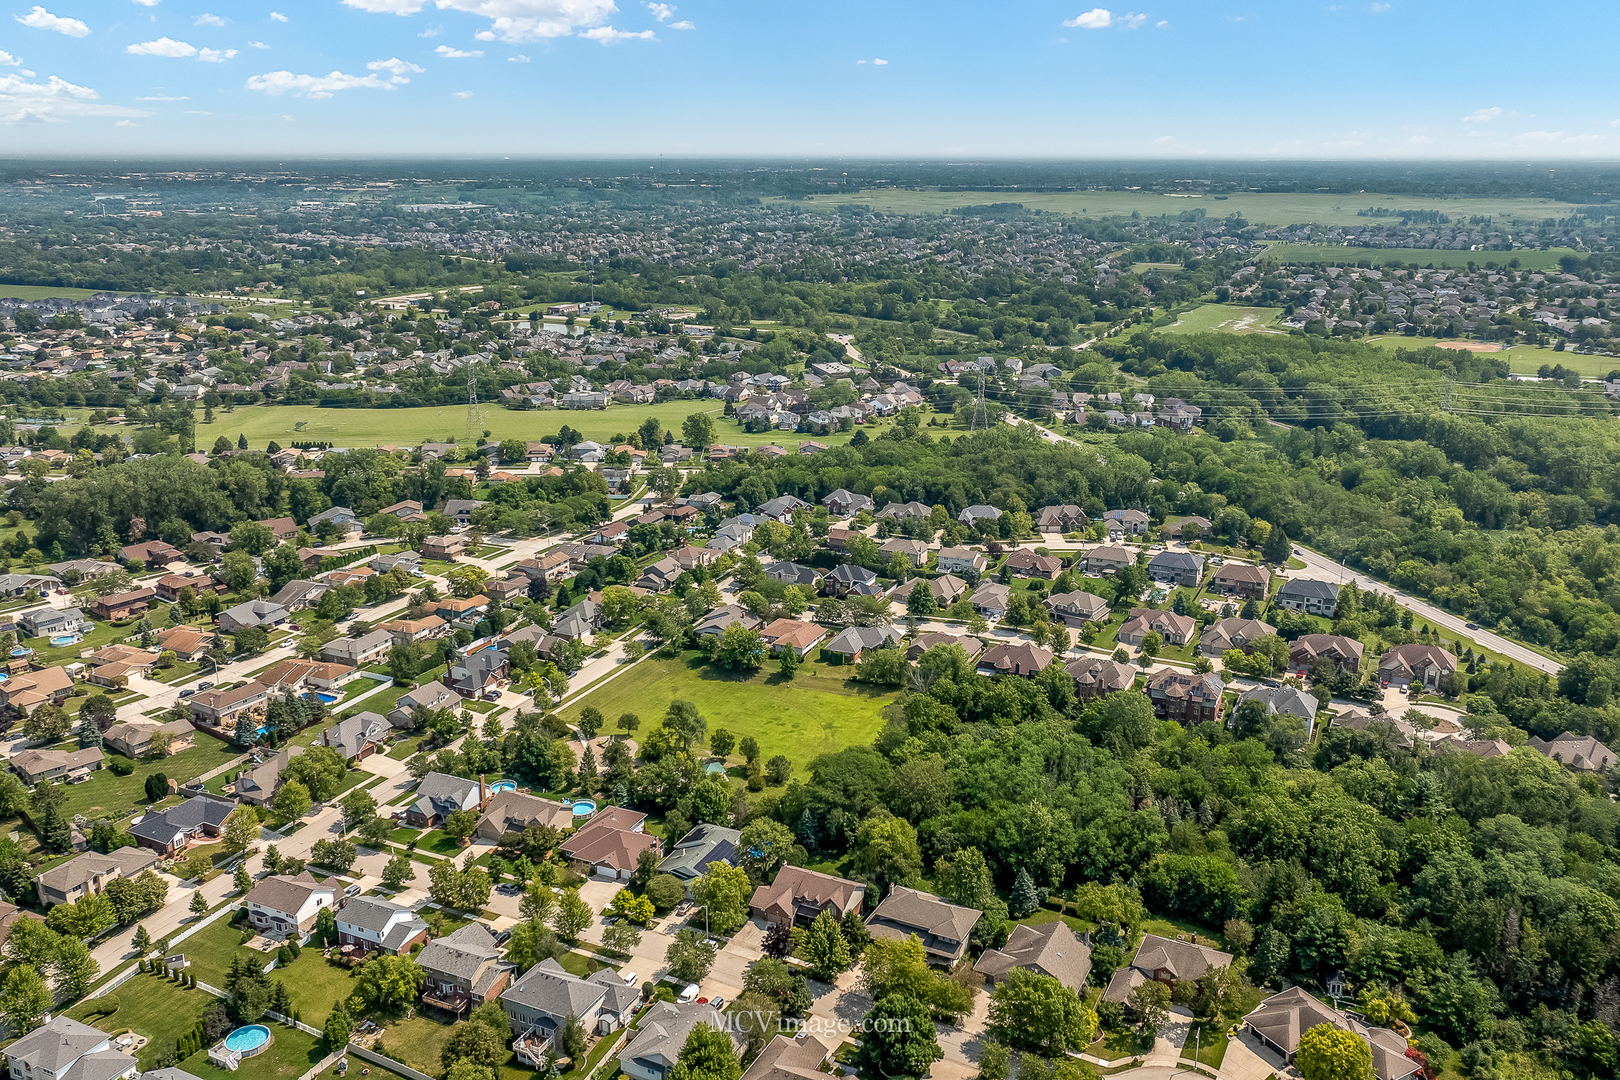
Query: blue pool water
{"x": 503, "y": 785}
{"x": 64, "y": 640}
{"x": 584, "y": 807}
{"x": 21, "y": 652}
{"x": 327, "y": 699}
{"x": 245, "y": 1039}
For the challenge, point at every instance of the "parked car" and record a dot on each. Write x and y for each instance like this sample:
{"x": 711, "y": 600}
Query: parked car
{"x": 187, "y": 693}
{"x": 205, "y": 686}
{"x": 689, "y": 994}
{"x": 629, "y": 977}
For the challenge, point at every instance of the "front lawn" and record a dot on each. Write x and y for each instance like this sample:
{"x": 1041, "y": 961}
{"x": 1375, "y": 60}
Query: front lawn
{"x": 823, "y": 711}
{"x": 1206, "y": 1043}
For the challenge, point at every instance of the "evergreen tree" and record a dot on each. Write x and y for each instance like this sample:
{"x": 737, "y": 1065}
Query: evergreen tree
{"x": 1025, "y": 896}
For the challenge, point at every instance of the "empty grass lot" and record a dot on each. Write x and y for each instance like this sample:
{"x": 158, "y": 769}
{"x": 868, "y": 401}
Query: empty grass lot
{"x": 407, "y": 427}
{"x": 1230, "y": 318}
{"x": 106, "y": 794}
{"x": 824, "y": 710}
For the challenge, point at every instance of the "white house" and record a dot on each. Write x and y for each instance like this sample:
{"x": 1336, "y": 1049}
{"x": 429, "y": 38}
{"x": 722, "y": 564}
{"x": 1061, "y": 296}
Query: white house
{"x": 64, "y": 1049}
{"x": 372, "y": 924}
{"x": 288, "y": 905}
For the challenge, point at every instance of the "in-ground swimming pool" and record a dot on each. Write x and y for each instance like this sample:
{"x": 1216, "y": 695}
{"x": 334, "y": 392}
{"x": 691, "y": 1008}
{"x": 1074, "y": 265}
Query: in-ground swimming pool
{"x": 328, "y": 699}
{"x": 503, "y": 785}
{"x": 64, "y": 640}
{"x": 247, "y": 1041}
{"x": 583, "y": 807}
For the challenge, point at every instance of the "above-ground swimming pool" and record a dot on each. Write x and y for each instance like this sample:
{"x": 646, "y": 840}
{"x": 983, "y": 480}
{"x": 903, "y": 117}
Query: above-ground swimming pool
{"x": 503, "y": 785}
{"x": 21, "y": 652}
{"x": 582, "y": 807}
{"x": 247, "y": 1041}
{"x": 64, "y": 640}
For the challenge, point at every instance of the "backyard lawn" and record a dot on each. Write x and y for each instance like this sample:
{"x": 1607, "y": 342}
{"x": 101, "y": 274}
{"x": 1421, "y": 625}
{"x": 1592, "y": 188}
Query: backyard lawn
{"x": 313, "y": 982}
{"x": 824, "y": 710}
{"x": 156, "y": 1008}
{"x": 106, "y": 794}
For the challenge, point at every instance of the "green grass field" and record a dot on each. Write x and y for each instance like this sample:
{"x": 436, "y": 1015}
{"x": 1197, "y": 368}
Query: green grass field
{"x": 1258, "y": 207}
{"x": 1228, "y": 317}
{"x": 405, "y": 427}
{"x": 1348, "y": 256}
{"x": 106, "y": 794}
{"x": 821, "y": 712}
{"x": 1525, "y": 359}
{"x": 45, "y": 292}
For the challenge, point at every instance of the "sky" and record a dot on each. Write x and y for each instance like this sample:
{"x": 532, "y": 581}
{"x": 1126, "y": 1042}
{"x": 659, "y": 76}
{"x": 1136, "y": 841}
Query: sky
{"x": 1218, "y": 79}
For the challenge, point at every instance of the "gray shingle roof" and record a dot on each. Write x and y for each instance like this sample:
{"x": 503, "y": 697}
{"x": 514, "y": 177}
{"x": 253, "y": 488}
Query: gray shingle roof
{"x": 53, "y": 1046}
{"x": 461, "y": 954}
{"x": 549, "y": 989}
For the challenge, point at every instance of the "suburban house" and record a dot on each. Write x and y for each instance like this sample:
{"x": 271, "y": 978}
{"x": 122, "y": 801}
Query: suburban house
{"x": 580, "y": 621}
{"x": 64, "y": 1049}
{"x": 513, "y": 811}
{"x": 973, "y": 515}
{"x": 947, "y": 589}
{"x": 942, "y": 927}
{"x": 443, "y": 548}
{"x": 135, "y": 738}
{"x": 801, "y": 637}
{"x": 1310, "y": 596}
{"x": 372, "y": 924}
{"x": 788, "y": 1058}
{"x": 462, "y": 611}
{"x": 799, "y": 895}
{"x": 291, "y": 676}
{"x": 1233, "y": 633}
{"x": 1024, "y": 659}
{"x": 1177, "y": 568}
{"x": 287, "y": 906}
{"x": 1126, "y": 523}
{"x": 171, "y": 831}
{"x": 1582, "y": 753}
{"x": 26, "y": 689}
{"x": 122, "y": 606}
{"x": 1076, "y": 608}
{"x": 358, "y": 651}
{"x": 1026, "y": 563}
{"x": 845, "y": 504}
{"x": 701, "y": 847}
{"x": 1425, "y": 665}
{"x": 430, "y": 696}
{"x": 609, "y": 843}
{"x": 848, "y": 579}
{"x": 406, "y": 631}
{"x": 358, "y": 737}
{"x": 849, "y": 643}
{"x": 1172, "y": 628}
{"x": 260, "y": 784}
{"x": 186, "y": 642}
{"x": 36, "y": 765}
{"x": 961, "y": 560}
{"x": 263, "y": 614}
{"x": 408, "y": 561}
{"x": 1241, "y": 579}
{"x": 1282, "y": 1018}
{"x": 1048, "y": 949}
{"x": 782, "y": 508}
{"x": 13, "y": 586}
{"x": 906, "y": 511}
{"x": 1108, "y": 559}
{"x": 544, "y": 997}
{"x": 1060, "y": 519}
{"x": 920, "y": 644}
{"x": 1164, "y": 960}
{"x": 439, "y": 795}
{"x": 792, "y": 573}
{"x": 51, "y": 622}
{"x": 1192, "y": 527}
{"x": 463, "y": 968}
{"x": 1095, "y": 676}
{"x": 991, "y": 599}
{"x": 476, "y": 675}
{"x": 225, "y": 709}
{"x": 152, "y": 553}
{"x": 282, "y": 528}
{"x": 716, "y": 621}
{"x": 1343, "y": 652}
{"x": 89, "y": 873}
{"x": 170, "y": 586}
{"x": 1285, "y": 701}
{"x": 1188, "y": 698}
{"x": 653, "y": 1051}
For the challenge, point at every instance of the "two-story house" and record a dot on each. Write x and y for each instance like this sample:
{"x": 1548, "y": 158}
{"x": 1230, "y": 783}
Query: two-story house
{"x": 439, "y": 795}
{"x": 64, "y": 1049}
{"x": 89, "y": 873}
{"x": 375, "y": 925}
{"x": 464, "y": 969}
{"x": 287, "y": 906}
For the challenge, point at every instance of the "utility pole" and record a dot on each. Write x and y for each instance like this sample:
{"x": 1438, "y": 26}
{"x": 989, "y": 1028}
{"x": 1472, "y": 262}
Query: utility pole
{"x": 980, "y": 419}
{"x": 475, "y": 414}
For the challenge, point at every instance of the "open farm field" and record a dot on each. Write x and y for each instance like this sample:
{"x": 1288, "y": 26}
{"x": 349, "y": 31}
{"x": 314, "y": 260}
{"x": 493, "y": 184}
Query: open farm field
{"x": 368, "y": 427}
{"x": 1258, "y": 207}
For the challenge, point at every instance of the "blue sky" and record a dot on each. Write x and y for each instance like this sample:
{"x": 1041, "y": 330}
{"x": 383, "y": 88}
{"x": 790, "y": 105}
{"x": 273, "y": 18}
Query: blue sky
{"x": 1193, "y": 78}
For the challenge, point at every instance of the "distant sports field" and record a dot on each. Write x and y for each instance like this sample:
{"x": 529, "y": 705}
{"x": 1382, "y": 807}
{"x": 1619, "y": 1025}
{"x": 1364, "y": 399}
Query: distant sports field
{"x": 406, "y": 427}
{"x": 1227, "y": 317}
{"x": 46, "y": 292}
{"x": 1259, "y": 208}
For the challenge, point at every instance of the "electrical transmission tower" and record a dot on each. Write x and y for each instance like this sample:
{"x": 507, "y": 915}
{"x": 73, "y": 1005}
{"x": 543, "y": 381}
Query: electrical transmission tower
{"x": 981, "y": 421}
{"x": 475, "y": 412}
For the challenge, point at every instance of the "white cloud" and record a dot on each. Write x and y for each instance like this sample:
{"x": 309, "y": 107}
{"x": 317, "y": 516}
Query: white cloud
{"x": 1379, "y": 8}
{"x": 462, "y": 94}
{"x": 1132, "y": 20}
{"x": 7, "y": 60}
{"x": 684, "y": 24}
{"x": 431, "y": 32}
{"x": 398, "y": 70}
{"x": 126, "y": 123}
{"x": 147, "y": 3}
{"x": 161, "y": 97}
{"x": 518, "y": 59}
{"x": 52, "y": 100}
{"x": 1164, "y": 140}
{"x": 206, "y": 19}
{"x": 1162, "y": 23}
{"x": 276, "y": 83}
{"x": 511, "y": 21}
{"x": 880, "y": 62}
{"x": 1419, "y": 140}
{"x": 257, "y": 45}
{"x": 215, "y": 56}
{"x": 277, "y": 16}
{"x": 609, "y": 36}
{"x": 1095, "y": 19}
{"x": 163, "y": 46}
{"x": 457, "y": 54}
{"x": 1484, "y": 116}
{"x": 661, "y": 12}
{"x": 40, "y": 19}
